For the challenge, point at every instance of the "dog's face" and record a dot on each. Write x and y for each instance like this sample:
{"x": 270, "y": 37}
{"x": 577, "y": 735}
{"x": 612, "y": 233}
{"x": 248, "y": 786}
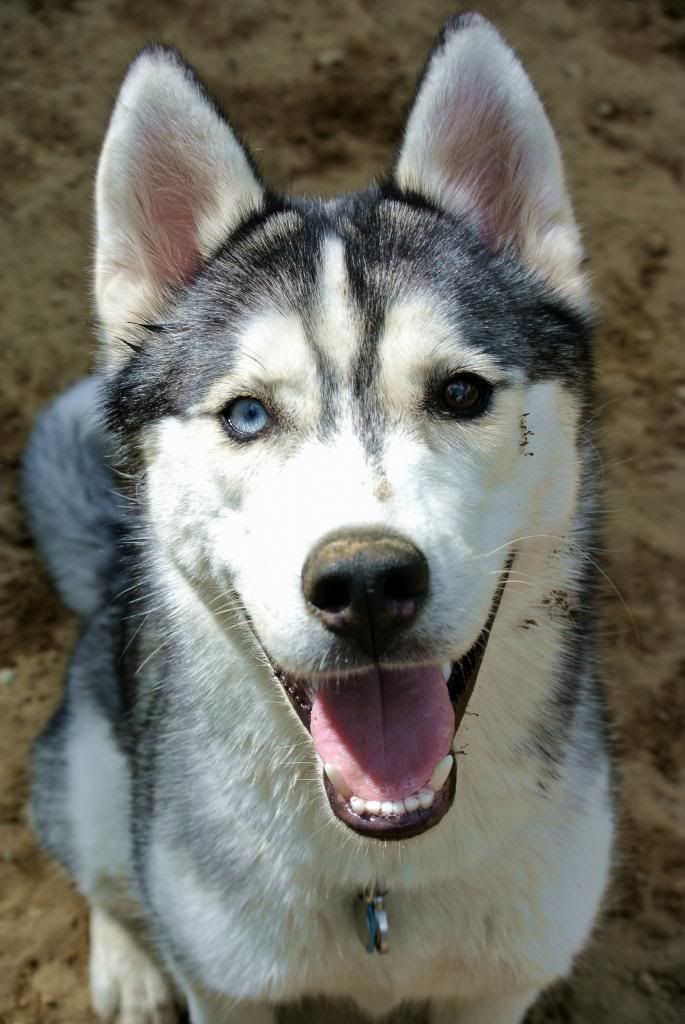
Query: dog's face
{"x": 348, "y": 412}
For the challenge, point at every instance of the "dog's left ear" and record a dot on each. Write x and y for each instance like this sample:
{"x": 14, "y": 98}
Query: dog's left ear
{"x": 479, "y": 144}
{"x": 173, "y": 181}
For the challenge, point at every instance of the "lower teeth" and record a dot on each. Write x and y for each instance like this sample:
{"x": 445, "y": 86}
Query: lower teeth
{"x": 387, "y": 808}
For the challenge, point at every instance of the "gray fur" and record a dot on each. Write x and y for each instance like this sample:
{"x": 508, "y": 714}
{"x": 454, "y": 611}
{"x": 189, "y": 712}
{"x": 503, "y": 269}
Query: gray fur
{"x": 92, "y": 681}
{"x": 69, "y": 494}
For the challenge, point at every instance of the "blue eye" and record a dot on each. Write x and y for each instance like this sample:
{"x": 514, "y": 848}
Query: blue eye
{"x": 246, "y": 417}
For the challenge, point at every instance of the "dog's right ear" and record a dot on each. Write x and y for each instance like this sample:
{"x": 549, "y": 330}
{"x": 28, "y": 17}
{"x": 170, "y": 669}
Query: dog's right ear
{"x": 479, "y": 144}
{"x": 172, "y": 182}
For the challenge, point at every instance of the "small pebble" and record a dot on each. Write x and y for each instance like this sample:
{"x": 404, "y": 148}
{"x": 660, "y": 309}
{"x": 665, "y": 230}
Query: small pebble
{"x": 605, "y": 109}
{"x": 7, "y": 676}
{"x": 656, "y": 243}
{"x": 646, "y": 982}
{"x": 329, "y": 58}
{"x": 573, "y": 71}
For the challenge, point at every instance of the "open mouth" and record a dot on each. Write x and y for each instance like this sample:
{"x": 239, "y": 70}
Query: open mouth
{"x": 386, "y": 738}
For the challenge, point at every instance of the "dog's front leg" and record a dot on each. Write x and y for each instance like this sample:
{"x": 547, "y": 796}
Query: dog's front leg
{"x": 507, "y": 1009}
{"x": 126, "y": 986}
{"x": 210, "y": 1008}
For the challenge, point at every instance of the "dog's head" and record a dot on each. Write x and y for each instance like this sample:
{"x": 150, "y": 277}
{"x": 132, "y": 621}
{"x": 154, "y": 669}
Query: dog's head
{"x": 334, "y": 403}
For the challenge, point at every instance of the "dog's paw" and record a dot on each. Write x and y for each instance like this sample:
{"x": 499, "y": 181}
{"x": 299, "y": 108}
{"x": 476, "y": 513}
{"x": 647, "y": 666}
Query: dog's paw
{"x": 126, "y": 986}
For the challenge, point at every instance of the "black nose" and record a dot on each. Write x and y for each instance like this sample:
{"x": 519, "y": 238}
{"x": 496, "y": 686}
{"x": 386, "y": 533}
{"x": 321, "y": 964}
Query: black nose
{"x": 365, "y": 586}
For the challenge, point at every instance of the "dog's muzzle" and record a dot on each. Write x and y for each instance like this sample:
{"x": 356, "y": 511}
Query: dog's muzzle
{"x": 386, "y": 733}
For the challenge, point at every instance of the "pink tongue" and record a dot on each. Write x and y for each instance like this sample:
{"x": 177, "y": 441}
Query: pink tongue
{"x": 384, "y": 729}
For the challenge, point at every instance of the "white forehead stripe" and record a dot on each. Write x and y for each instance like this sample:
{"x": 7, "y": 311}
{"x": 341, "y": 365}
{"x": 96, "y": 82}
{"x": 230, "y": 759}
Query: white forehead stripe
{"x": 337, "y": 331}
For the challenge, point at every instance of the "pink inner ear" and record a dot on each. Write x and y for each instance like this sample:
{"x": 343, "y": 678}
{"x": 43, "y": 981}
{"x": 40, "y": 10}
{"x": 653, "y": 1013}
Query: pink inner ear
{"x": 170, "y": 198}
{"x": 481, "y": 154}
{"x": 177, "y": 253}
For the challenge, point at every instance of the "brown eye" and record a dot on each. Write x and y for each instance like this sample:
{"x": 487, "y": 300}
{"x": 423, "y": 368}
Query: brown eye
{"x": 465, "y": 396}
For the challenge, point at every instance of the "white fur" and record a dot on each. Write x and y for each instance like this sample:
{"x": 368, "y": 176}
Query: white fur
{"x": 126, "y": 986}
{"x": 212, "y": 505}
{"x": 98, "y": 788}
{"x": 336, "y": 334}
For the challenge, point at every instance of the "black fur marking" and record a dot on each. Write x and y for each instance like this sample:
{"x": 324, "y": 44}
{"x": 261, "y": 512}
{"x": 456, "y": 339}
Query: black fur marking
{"x": 363, "y": 259}
{"x": 272, "y": 204}
{"x": 154, "y": 328}
{"x": 329, "y": 387}
{"x": 130, "y": 344}
{"x": 389, "y": 191}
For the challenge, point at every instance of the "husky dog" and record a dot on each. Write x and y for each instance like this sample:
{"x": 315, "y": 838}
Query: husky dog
{"x": 326, "y": 512}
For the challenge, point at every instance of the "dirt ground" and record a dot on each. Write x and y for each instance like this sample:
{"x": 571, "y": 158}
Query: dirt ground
{"x": 319, "y": 89}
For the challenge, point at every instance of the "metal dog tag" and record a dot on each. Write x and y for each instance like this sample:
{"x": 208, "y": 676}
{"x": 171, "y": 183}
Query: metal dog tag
{"x": 372, "y": 920}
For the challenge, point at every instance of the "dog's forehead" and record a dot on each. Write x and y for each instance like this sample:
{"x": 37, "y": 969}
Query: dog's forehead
{"x": 373, "y": 315}
{"x": 349, "y": 305}
{"x": 285, "y": 345}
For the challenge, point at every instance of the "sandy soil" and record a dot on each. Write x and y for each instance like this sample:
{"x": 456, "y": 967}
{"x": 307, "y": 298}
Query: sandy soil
{"x": 319, "y": 89}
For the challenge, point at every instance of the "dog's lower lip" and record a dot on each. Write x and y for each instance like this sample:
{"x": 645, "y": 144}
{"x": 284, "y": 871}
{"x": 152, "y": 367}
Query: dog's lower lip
{"x": 403, "y": 826}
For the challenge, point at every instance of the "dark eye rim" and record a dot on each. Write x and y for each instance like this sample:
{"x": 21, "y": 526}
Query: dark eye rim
{"x": 239, "y": 435}
{"x": 439, "y": 406}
